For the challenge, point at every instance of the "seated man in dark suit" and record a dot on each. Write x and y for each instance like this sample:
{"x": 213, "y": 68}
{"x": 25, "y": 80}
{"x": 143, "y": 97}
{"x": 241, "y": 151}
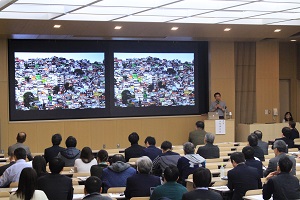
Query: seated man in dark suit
{"x": 286, "y": 134}
{"x": 263, "y": 145}
{"x": 135, "y": 150}
{"x": 294, "y": 131}
{"x": 202, "y": 180}
{"x": 53, "y": 151}
{"x": 92, "y": 189}
{"x": 151, "y": 151}
{"x": 253, "y": 142}
{"x": 138, "y": 185}
{"x": 279, "y": 147}
{"x": 55, "y": 185}
{"x": 209, "y": 151}
{"x": 281, "y": 183}
{"x": 242, "y": 177}
{"x": 250, "y": 161}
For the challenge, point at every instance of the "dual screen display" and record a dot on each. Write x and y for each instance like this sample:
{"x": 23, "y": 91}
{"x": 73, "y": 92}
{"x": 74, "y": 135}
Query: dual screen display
{"x": 72, "y": 84}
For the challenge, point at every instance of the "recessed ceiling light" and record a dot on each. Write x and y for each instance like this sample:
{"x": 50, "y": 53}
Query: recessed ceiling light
{"x": 277, "y": 30}
{"x": 227, "y": 29}
{"x": 56, "y": 26}
{"x": 118, "y": 27}
{"x": 293, "y": 40}
{"x": 174, "y": 28}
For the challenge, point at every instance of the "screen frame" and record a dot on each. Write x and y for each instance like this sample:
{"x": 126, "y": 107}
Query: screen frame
{"x": 200, "y": 50}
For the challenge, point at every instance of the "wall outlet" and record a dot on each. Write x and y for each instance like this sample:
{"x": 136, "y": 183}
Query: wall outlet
{"x": 266, "y": 112}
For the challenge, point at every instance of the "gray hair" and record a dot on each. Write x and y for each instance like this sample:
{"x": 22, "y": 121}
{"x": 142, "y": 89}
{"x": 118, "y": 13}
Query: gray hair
{"x": 210, "y": 138}
{"x": 144, "y": 165}
{"x": 189, "y": 148}
{"x": 280, "y": 145}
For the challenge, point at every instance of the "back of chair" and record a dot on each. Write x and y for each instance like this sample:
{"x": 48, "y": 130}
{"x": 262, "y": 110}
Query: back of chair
{"x": 253, "y": 192}
{"x": 140, "y": 198}
{"x": 14, "y": 184}
{"x": 4, "y": 194}
{"x": 116, "y": 190}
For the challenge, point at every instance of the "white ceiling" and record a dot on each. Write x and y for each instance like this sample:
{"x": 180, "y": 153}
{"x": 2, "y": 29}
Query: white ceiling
{"x": 250, "y": 12}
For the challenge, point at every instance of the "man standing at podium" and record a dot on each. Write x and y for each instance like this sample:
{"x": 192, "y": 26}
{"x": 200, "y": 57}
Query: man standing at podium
{"x": 218, "y": 106}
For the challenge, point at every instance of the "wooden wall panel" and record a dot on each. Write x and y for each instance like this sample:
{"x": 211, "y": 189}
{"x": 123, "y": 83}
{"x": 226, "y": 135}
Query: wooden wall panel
{"x": 288, "y": 71}
{"x": 222, "y": 72}
{"x": 267, "y": 80}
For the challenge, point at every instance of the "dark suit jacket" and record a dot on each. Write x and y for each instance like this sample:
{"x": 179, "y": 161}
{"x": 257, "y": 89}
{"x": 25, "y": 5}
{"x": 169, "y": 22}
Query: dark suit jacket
{"x": 294, "y": 134}
{"x": 200, "y": 194}
{"x": 52, "y": 152}
{"x": 56, "y": 186}
{"x": 264, "y": 146}
{"x": 283, "y": 186}
{"x": 209, "y": 151}
{"x": 288, "y": 141}
{"x": 152, "y": 152}
{"x": 241, "y": 179}
{"x": 134, "y": 151}
{"x": 139, "y": 185}
{"x": 255, "y": 164}
{"x": 96, "y": 170}
{"x": 272, "y": 166}
{"x": 259, "y": 153}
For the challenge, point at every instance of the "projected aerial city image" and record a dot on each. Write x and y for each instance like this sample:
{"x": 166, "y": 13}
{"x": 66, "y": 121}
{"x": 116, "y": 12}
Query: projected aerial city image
{"x": 48, "y": 81}
{"x": 154, "y": 79}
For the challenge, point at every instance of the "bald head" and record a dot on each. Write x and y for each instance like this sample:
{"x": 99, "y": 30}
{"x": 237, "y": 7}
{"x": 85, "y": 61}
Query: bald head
{"x": 21, "y": 137}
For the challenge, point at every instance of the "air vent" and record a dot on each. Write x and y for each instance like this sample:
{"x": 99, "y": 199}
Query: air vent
{"x": 296, "y": 35}
{"x": 268, "y": 39}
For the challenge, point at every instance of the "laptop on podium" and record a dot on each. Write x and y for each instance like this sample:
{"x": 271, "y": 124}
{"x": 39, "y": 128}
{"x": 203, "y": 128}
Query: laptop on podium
{"x": 213, "y": 115}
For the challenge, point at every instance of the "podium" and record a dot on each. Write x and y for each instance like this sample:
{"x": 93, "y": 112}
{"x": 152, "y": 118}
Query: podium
{"x": 229, "y": 136}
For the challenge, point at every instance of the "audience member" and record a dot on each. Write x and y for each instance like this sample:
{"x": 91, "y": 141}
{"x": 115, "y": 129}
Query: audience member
{"x": 286, "y": 134}
{"x": 21, "y": 138}
{"x": 55, "y": 185}
{"x": 170, "y": 189}
{"x": 253, "y": 142}
{"x": 287, "y": 117}
{"x": 202, "y": 180}
{"x": 70, "y": 154}
{"x": 279, "y": 148}
{"x": 209, "y": 150}
{"x": 197, "y": 136}
{"x": 189, "y": 162}
{"x": 27, "y": 187}
{"x": 135, "y": 150}
{"x": 11, "y": 162}
{"x": 102, "y": 160}
{"x": 53, "y": 151}
{"x": 263, "y": 145}
{"x": 117, "y": 173}
{"x": 248, "y": 152}
{"x": 39, "y": 164}
{"x": 151, "y": 151}
{"x": 138, "y": 185}
{"x": 12, "y": 174}
{"x": 242, "y": 177}
{"x": 281, "y": 183}
{"x": 294, "y": 131}
{"x": 86, "y": 161}
{"x": 92, "y": 189}
{"x": 167, "y": 158}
